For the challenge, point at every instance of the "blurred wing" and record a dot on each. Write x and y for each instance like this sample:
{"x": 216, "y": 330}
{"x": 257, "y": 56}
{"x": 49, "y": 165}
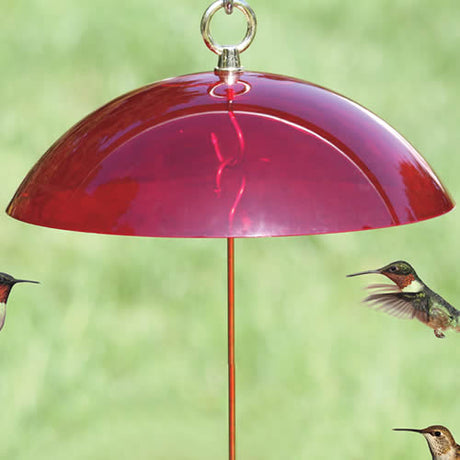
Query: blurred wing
{"x": 394, "y": 302}
{"x": 384, "y": 287}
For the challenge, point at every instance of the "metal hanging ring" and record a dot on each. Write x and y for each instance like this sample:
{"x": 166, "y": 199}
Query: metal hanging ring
{"x": 250, "y": 31}
{"x": 228, "y": 6}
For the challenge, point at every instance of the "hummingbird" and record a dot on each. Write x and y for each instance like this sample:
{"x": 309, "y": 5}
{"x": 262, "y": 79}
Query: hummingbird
{"x": 6, "y": 283}
{"x": 411, "y": 298}
{"x": 440, "y": 441}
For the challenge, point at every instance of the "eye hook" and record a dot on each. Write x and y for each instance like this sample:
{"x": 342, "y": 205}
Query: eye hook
{"x": 228, "y": 6}
{"x": 251, "y": 25}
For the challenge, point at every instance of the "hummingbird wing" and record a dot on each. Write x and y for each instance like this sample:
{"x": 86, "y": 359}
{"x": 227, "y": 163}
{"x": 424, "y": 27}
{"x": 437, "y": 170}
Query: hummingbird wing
{"x": 384, "y": 287}
{"x": 396, "y": 303}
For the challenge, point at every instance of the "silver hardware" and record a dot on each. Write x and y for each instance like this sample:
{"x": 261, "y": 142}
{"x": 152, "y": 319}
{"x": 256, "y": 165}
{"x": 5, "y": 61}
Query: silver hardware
{"x": 229, "y": 55}
{"x": 228, "y": 6}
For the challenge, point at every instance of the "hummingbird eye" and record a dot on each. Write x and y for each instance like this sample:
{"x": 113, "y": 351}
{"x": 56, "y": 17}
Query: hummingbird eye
{"x": 437, "y": 433}
{"x": 393, "y": 268}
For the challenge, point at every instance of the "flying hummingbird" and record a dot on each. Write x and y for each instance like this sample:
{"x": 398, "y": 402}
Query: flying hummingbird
{"x": 440, "y": 441}
{"x": 411, "y": 298}
{"x": 6, "y": 283}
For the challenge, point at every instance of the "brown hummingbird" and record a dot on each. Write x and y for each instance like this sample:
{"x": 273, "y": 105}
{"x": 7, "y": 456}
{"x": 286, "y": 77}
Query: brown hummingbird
{"x": 440, "y": 441}
{"x": 411, "y": 298}
{"x": 6, "y": 283}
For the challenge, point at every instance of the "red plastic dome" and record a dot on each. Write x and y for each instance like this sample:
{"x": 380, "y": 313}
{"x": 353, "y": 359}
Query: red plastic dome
{"x": 194, "y": 157}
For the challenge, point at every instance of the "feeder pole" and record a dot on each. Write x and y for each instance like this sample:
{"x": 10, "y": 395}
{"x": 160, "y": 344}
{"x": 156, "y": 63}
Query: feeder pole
{"x": 231, "y": 347}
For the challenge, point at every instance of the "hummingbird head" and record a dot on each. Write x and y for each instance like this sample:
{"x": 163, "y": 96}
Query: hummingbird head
{"x": 6, "y": 283}
{"x": 400, "y": 272}
{"x": 438, "y": 437}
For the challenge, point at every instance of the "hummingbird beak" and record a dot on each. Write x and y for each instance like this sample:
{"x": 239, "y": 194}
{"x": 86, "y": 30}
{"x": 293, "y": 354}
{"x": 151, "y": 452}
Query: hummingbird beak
{"x": 407, "y": 429}
{"x": 367, "y": 272}
{"x": 26, "y": 281}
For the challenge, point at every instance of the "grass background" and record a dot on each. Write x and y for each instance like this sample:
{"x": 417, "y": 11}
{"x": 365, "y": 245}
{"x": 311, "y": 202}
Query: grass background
{"x": 121, "y": 352}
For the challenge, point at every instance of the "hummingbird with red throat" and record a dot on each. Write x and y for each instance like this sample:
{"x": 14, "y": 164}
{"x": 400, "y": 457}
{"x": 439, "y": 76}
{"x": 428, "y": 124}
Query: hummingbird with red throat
{"x": 6, "y": 283}
{"x": 411, "y": 298}
{"x": 440, "y": 441}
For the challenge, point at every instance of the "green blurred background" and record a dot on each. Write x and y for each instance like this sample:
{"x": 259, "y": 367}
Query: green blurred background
{"x": 121, "y": 351}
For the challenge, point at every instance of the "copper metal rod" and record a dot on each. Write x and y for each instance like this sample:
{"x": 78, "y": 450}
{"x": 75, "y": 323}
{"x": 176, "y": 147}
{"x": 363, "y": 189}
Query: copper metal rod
{"x": 231, "y": 348}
